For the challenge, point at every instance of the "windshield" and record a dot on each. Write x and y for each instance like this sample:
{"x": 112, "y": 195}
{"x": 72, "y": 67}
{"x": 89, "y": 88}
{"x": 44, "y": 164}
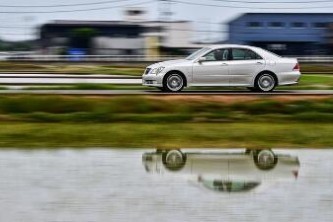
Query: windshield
{"x": 196, "y": 53}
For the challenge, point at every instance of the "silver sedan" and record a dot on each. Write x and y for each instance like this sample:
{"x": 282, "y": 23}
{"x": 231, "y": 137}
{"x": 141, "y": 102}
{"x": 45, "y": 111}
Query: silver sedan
{"x": 224, "y": 65}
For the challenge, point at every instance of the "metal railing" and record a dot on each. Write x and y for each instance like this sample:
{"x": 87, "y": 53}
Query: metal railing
{"x": 90, "y": 58}
{"x": 315, "y": 59}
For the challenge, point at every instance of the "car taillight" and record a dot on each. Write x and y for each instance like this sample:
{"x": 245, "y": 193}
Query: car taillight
{"x": 297, "y": 67}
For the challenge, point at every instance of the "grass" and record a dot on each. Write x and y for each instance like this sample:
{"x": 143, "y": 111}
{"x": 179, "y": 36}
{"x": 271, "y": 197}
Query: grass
{"x": 156, "y": 109}
{"x": 166, "y": 135}
{"x": 165, "y": 122}
{"x": 313, "y": 81}
{"x": 317, "y": 67}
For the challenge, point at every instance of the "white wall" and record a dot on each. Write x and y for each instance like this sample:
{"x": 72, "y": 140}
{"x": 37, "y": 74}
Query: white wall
{"x": 109, "y": 45}
{"x": 178, "y": 34}
{"x": 174, "y": 34}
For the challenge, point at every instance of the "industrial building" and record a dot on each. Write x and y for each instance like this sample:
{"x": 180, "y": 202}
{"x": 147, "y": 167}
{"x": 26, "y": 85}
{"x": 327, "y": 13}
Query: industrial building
{"x": 135, "y": 35}
{"x": 285, "y": 33}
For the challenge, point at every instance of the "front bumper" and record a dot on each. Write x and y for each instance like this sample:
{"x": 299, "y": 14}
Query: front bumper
{"x": 152, "y": 80}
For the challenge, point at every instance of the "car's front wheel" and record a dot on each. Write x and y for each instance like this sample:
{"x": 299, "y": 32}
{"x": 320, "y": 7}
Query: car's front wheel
{"x": 265, "y": 159}
{"x": 265, "y": 82}
{"x": 173, "y": 82}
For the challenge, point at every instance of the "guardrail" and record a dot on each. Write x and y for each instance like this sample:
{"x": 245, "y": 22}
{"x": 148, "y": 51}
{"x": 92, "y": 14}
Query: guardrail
{"x": 315, "y": 59}
{"x": 131, "y": 58}
{"x": 90, "y": 58}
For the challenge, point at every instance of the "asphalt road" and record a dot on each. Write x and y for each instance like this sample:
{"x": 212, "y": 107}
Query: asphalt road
{"x": 67, "y": 79}
{"x": 155, "y": 92}
{"x": 18, "y": 79}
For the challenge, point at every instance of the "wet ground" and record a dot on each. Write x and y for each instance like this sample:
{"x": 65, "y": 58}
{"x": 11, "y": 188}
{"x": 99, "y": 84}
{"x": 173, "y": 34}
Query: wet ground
{"x": 142, "y": 185}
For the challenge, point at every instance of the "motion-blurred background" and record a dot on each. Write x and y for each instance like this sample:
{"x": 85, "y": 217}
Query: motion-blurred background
{"x": 163, "y": 27}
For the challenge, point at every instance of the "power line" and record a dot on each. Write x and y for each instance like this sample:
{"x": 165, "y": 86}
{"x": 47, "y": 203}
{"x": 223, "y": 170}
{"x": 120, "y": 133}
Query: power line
{"x": 63, "y": 5}
{"x": 19, "y": 34}
{"x": 247, "y": 7}
{"x": 13, "y": 27}
{"x": 76, "y": 10}
{"x": 277, "y": 2}
{"x": 114, "y": 1}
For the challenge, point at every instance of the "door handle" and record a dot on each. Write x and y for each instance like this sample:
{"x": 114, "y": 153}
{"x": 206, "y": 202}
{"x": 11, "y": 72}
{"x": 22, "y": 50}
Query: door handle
{"x": 224, "y": 64}
{"x": 260, "y": 63}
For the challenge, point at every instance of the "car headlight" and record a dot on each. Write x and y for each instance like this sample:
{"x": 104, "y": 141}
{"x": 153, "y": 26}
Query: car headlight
{"x": 157, "y": 70}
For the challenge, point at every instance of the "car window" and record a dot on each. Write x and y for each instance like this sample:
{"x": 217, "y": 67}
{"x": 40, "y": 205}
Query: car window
{"x": 195, "y": 54}
{"x": 217, "y": 55}
{"x": 244, "y": 54}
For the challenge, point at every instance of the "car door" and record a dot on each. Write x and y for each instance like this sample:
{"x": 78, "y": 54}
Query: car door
{"x": 244, "y": 65}
{"x": 213, "y": 70}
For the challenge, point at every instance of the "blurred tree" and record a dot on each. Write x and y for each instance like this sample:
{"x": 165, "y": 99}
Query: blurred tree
{"x": 82, "y": 38}
{"x": 16, "y": 46}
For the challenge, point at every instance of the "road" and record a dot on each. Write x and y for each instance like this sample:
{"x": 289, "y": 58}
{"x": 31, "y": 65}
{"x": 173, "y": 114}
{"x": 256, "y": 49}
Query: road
{"x": 12, "y": 78}
{"x": 16, "y": 80}
{"x": 155, "y": 92}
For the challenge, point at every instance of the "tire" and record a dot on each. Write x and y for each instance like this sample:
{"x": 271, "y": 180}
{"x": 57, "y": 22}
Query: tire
{"x": 265, "y": 82}
{"x": 173, "y": 160}
{"x": 173, "y": 82}
{"x": 265, "y": 159}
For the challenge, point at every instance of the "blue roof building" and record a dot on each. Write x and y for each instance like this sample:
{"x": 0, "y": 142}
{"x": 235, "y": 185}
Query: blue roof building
{"x": 284, "y": 33}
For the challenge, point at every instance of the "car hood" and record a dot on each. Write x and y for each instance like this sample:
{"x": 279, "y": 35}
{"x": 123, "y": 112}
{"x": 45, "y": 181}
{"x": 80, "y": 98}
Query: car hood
{"x": 169, "y": 63}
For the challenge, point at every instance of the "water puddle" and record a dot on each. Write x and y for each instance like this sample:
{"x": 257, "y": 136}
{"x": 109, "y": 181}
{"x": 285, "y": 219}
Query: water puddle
{"x": 160, "y": 185}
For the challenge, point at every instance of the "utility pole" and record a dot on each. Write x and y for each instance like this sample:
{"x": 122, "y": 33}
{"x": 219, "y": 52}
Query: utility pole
{"x": 164, "y": 18}
{"x": 165, "y": 12}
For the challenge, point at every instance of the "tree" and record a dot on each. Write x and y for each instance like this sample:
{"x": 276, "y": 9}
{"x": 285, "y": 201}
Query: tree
{"x": 82, "y": 38}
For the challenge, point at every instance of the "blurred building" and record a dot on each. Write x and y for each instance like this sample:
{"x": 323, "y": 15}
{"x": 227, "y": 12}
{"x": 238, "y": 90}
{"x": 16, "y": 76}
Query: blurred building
{"x": 285, "y": 33}
{"x": 132, "y": 36}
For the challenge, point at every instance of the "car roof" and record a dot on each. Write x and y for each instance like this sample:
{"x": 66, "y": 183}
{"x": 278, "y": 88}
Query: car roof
{"x": 230, "y": 46}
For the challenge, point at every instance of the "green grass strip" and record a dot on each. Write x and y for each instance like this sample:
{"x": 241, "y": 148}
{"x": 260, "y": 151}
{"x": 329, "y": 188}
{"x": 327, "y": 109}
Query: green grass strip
{"x": 171, "y": 135}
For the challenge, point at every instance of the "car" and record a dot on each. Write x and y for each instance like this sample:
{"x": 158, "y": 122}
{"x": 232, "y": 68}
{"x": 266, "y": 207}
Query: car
{"x": 224, "y": 65}
{"x": 224, "y": 171}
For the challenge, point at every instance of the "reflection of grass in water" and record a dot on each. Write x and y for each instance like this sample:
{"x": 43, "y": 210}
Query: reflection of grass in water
{"x": 252, "y": 135}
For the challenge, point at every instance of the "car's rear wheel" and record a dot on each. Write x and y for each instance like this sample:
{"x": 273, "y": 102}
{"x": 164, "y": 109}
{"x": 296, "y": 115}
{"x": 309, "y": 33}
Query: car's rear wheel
{"x": 173, "y": 82}
{"x": 265, "y": 82}
{"x": 173, "y": 160}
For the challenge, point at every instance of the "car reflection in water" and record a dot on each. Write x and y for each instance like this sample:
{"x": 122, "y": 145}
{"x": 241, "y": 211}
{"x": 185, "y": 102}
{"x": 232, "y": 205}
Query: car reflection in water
{"x": 225, "y": 171}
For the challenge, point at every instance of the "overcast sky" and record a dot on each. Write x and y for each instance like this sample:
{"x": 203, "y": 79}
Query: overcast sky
{"x": 18, "y": 26}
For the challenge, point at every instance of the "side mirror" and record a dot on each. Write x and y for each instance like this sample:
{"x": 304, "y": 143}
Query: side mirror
{"x": 202, "y": 59}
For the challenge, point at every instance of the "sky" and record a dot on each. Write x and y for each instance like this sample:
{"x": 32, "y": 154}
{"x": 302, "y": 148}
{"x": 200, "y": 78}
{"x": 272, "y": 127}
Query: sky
{"x": 20, "y": 19}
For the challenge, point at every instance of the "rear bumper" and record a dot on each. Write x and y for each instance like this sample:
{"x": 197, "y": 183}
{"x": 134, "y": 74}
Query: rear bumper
{"x": 152, "y": 80}
{"x": 289, "y": 78}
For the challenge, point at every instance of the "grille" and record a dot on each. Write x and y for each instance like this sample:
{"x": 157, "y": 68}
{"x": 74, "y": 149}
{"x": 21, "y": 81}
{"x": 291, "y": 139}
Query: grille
{"x": 147, "y": 70}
